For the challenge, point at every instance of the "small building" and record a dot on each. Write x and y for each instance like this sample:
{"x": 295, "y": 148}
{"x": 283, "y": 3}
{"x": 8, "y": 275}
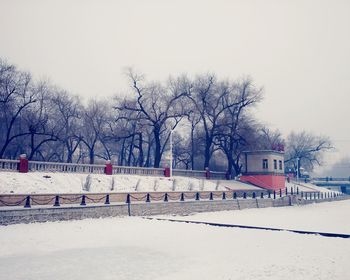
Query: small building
{"x": 264, "y": 169}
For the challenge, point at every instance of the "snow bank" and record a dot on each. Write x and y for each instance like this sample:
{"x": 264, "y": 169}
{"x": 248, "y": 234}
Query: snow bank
{"x": 40, "y": 182}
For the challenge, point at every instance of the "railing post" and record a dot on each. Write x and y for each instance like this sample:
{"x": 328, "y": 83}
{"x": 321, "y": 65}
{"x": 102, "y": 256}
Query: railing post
{"x": 127, "y": 199}
{"x": 223, "y": 196}
{"x": 253, "y": 195}
{"x": 211, "y": 196}
{"x": 197, "y": 196}
{"x": 166, "y": 197}
{"x": 167, "y": 171}
{"x": 207, "y": 173}
{"x": 108, "y": 168}
{"x": 57, "y": 201}
{"x": 244, "y": 195}
{"x": 23, "y": 164}
{"x": 262, "y": 195}
{"x": 148, "y": 198}
{"x": 107, "y": 199}
{"x": 182, "y": 198}
{"x": 234, "y": 195}
{"x": 83, "y": 203}
{"x": 27, "y": 204}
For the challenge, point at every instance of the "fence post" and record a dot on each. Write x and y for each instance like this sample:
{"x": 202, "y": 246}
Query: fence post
{"x": 244, "y": 195}
{"x": 291, "y": 191}
{"x": 27, "y": 204}
{"x": 286, "y": 192}
{"x": 262, "y": 195}
{"x": 182, "y": 197}
{"x": 57, "y": 201}
{"x": 223, "y": 196}
{"x": 127, "y": 199}
{"x": 148, "y": 199}
{"x": 234, "y": 195}
{"x": 274, "y": 194}
{"x": 83, "y": 203}
{"x": 107, "y": 199}
{"x": 253, "y": 195}
{"x": 166, "y": 197}
{"x": 211, "y": 196}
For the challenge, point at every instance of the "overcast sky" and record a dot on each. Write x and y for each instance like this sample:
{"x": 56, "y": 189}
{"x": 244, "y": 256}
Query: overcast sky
{"x": 298, "y": 50}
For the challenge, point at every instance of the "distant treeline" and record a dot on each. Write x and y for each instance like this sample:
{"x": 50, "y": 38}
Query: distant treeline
{"x": 211, "y": 120}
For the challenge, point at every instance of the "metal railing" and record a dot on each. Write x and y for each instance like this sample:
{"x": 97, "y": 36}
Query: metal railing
{"x": 327, "y": 179}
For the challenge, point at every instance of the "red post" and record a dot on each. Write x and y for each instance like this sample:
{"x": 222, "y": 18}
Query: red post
{"x": 167, "y": 171}
{"x": 207, "y": 173}
{"x": 23, "y": 164}
{"x": 108, "y": 168}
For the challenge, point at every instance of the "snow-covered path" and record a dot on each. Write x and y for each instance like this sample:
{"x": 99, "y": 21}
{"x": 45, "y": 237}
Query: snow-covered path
{"x": 134, "y": 248}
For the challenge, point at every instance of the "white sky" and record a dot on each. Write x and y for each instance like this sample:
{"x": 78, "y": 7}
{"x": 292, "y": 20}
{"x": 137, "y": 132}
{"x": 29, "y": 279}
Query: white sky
{"x": 298, "y": 50}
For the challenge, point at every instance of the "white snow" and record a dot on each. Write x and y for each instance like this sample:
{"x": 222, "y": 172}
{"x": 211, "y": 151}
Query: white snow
{"x": 134, "y": 248}
{"x": 43, "y": 182}
{"x": 306, "y": 187}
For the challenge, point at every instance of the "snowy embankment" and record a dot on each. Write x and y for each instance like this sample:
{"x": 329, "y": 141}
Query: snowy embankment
{"x": 306, "y": 187}
{"x": 43, "y": 182}
{"x": 134, "y": 248}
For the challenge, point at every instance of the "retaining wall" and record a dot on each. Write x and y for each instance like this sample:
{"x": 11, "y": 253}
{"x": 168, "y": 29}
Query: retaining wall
{"x": 64, "y": 213}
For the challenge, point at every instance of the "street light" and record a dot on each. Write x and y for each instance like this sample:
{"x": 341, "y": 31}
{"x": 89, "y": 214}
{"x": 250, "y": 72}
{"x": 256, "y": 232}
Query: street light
{"x": 171, "y": 153}
{"x": 298, "y": 175}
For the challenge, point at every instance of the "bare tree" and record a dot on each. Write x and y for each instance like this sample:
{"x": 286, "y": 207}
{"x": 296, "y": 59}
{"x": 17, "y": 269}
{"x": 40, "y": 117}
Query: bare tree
{"x": 94, "y": 121}
{"x": 16, "y": 96}
{"x": 68, "y": 113}
{"x": 307, "y": 148}
{"x": 160, "y": 107}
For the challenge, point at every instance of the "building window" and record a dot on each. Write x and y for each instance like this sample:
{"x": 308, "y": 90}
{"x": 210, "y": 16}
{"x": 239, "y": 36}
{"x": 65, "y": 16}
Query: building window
{"x": 265, "y": 164}
{"x": 280, "y": 164}
{"x": 275, "y": 163}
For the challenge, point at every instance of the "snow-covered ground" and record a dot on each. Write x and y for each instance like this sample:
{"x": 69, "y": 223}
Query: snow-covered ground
{"x": 135, "y": 248}
{"x": 306, "y": 187}
{"x": 43, "y": 182}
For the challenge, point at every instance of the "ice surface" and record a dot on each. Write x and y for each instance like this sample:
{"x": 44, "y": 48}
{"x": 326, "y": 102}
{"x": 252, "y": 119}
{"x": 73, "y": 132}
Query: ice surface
{"x": 134, "y": 248}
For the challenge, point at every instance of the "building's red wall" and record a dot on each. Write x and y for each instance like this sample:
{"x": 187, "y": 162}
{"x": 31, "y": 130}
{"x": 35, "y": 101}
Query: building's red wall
{"x": 270, "y": 182}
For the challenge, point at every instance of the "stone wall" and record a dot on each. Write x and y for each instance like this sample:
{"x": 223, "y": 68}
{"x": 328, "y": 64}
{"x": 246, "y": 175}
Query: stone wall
{"x": 22, "y": 215}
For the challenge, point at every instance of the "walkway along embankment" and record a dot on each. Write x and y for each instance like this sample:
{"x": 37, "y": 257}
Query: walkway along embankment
{"x": 146, "y": 205}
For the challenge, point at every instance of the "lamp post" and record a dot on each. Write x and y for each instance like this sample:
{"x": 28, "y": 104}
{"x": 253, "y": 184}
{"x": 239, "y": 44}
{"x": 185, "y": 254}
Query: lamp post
{"x": 171, "y": 153}
{"x": 298, "y": 175}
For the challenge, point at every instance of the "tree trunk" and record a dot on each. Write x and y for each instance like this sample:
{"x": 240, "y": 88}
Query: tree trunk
{"x": 91, "y": 155}
{"x": 140, "y": 163}
{"x": 192, "y": 148}
{"x": 157, "y": 153}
